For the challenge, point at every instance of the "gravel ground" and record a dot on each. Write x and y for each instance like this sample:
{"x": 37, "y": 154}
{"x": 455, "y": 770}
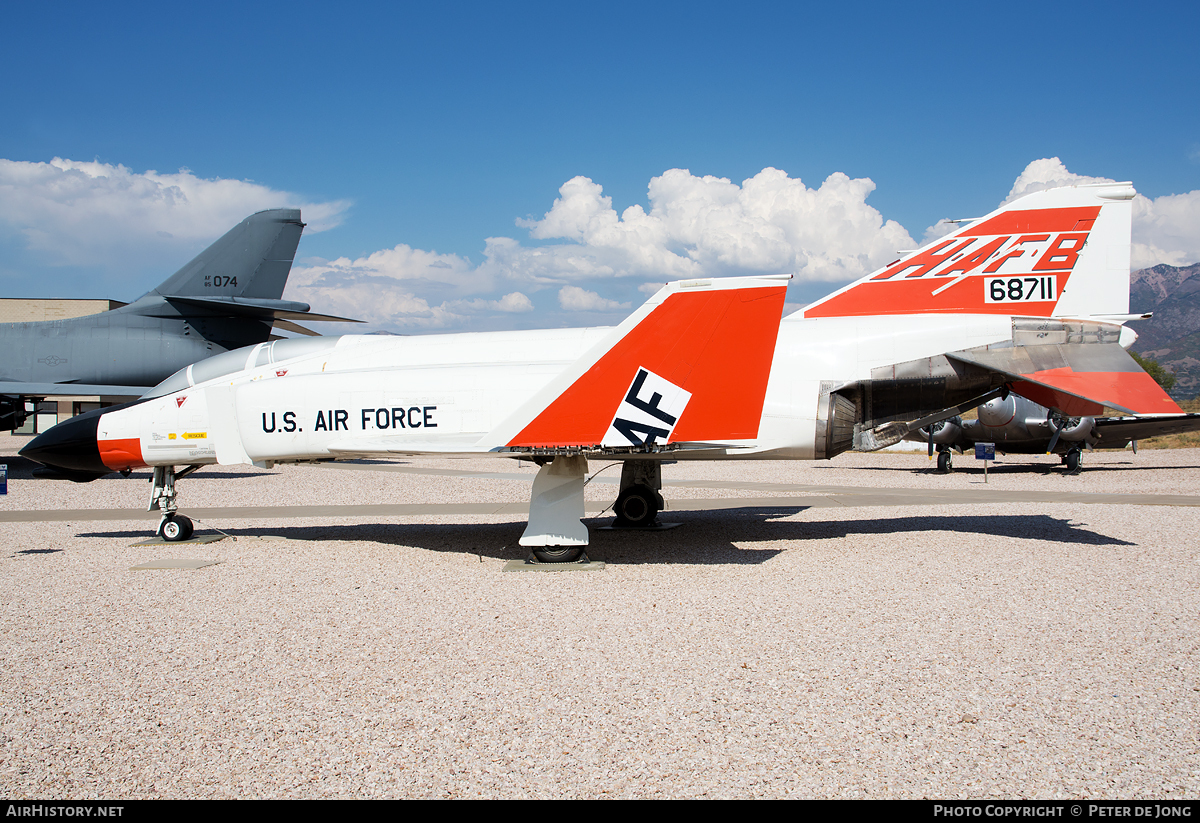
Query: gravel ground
{"x": 988, "y": 650}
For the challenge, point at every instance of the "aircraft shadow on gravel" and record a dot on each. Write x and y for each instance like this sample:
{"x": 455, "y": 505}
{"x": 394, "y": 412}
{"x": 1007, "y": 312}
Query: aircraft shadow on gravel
{"x": 727, "y": 537}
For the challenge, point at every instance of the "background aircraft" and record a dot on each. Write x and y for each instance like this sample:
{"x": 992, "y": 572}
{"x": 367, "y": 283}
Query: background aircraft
{"x": 227, "y": 297}
{"x": 1020, "y": 301}
{"x": 1020, "y": 426}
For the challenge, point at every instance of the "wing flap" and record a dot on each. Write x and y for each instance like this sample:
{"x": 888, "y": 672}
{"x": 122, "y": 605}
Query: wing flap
{"x": 1075, "y": 378}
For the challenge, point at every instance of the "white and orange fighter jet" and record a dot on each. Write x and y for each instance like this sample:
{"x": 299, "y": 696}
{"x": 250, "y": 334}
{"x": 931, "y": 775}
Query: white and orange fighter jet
{"x": 1029, "y": 299}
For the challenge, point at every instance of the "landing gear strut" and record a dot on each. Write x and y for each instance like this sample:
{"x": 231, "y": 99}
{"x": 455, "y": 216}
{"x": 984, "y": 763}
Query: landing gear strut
{"x": 173, "y": 526}
{"x": 555, "y": 533}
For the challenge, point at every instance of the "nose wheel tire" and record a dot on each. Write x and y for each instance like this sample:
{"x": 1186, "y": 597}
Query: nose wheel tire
{"x": 176, "y": 528}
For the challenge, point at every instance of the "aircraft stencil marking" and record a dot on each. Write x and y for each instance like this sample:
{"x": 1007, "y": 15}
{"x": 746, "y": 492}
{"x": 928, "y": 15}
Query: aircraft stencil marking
{"x": 1019, "y": 289}
{"x": 397, "y": 417}
{"x": 650, "y": 418}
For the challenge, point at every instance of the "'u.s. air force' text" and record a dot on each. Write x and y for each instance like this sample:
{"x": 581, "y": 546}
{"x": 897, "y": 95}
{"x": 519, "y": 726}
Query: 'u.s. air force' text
{"x": 329, "y": 420}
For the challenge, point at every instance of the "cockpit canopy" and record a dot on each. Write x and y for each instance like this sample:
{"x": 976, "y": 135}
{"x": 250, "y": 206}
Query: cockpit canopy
{"x": 232, "y": 362}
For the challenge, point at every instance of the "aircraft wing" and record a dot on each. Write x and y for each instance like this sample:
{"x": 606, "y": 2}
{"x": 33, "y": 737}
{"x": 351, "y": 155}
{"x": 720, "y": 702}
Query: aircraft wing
{"x": 473, "y": 447}
{"x": 1115, "y": 432}
{"x": 1075, "y": 378}
{"x": 13, "y": 388}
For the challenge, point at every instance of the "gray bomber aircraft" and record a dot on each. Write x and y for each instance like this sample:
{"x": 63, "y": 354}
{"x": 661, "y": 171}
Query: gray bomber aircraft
{"x": 229, "y": 296}
{"x": 1020, "y": 426}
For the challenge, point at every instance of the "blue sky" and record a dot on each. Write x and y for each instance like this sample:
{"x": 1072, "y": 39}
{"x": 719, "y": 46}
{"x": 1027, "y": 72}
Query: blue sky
{"x": 433, "y": 128}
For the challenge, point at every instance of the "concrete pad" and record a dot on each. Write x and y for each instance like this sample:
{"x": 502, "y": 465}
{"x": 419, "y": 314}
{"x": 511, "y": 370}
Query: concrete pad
{"x": 534, "y": 566}
{"x": 174, "y": 563}
{"x": 199, "y": 539}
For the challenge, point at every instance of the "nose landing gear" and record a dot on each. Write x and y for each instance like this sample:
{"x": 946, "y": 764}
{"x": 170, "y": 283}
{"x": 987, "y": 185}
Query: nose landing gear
{"x": 173, "y": 527}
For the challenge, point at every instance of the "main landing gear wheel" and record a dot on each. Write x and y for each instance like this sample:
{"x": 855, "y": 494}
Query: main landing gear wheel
{"x": 176, "y": 527}
{"x": 637, "y": 506}
{"x": 945, "y": 460}
{"x": 564, "y": 554}
{"x": 1073, "y": 460}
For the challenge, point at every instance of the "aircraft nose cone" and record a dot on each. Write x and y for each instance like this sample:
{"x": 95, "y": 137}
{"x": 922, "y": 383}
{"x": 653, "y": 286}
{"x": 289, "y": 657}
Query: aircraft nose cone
{"x": 70, "y": 446}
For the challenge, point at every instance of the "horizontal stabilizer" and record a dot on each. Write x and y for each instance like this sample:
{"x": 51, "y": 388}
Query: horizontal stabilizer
{"x": 1075, "y": 378}
{"x": 258, "y": 307}
{"x": 288, "y": 325}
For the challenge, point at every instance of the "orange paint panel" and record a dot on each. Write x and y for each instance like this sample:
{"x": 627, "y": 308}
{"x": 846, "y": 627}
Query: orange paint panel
{"x": 1030, "y": 220}
{"x": 125, "y": 453}
{"x": 718, "y": 345}
{"x": 1133, "y": 390}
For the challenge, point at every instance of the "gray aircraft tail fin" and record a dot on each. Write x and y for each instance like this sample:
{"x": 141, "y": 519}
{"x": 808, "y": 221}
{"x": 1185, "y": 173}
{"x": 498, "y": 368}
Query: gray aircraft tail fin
{"x": 252, "y": 260}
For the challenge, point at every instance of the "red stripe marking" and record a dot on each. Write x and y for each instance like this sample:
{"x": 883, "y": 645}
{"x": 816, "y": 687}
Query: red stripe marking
{"x": 125, "y": 453}
{"x": 718, "y": 345}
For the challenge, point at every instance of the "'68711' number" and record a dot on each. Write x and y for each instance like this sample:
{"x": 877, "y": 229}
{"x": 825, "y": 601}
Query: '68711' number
{"x": 1019, "y": 289}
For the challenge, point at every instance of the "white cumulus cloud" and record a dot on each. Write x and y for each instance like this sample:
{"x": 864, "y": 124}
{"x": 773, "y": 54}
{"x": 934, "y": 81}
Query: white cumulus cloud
{"x": 710, "y": 226}
{"x": 1166, "y": 229}
{"x": 694, "y": 226}
{"x": 93, "y": 213}
{"x": 573, "y": 298}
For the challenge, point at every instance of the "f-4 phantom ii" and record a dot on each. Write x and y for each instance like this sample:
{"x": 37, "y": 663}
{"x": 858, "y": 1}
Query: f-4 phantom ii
{"x": 1019, "y": 426}
{"x": 1028, "y": 300}
{"x": 226, "y": 298}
